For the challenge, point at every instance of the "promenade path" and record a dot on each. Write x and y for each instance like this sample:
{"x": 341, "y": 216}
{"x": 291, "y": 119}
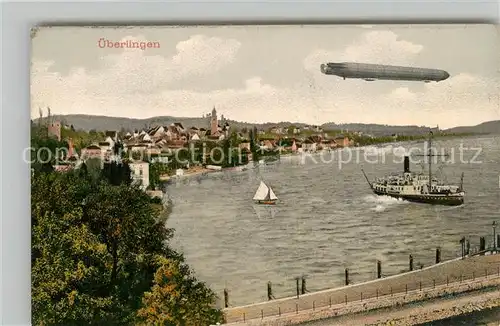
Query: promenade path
{"x": 439, "y": 274}
{"x": 413, "y": 314}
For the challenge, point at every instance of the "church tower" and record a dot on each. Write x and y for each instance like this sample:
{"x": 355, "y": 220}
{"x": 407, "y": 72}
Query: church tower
{"x": 214, "y": 130}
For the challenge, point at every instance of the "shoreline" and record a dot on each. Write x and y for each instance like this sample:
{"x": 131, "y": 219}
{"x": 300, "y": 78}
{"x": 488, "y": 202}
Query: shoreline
{"x": 202, "y": 171}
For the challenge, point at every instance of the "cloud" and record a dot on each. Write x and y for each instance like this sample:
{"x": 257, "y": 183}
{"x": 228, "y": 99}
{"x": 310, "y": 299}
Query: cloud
{"x": 201, "y": 54}
{"x": 379, "y": 47}
{"x": 135, "y": 72}
{"x": 133, "y": 84}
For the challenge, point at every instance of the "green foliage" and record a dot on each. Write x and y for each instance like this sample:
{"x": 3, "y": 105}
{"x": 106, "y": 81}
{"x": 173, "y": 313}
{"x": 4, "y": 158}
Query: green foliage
{"x": 45, "y": 150}
{"x": 81, "y": 138}
{"x": 116, "y": 173}
{"x": 177, "y": 293}
{"x": 156, "y": 170}
{"x": 95, "y": 252}
{"x": 93, "y": 167}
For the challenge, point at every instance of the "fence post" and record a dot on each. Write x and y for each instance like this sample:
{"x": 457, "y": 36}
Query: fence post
{"x": 346, "y": 276}
{"x": 269, "y": 291}
{"x": 411, "y": 263}
{"x": 361, "y": 296}
{"x": 482, "y": 245}
{"x": 314, "y": 305}
{"x": 462, "y": 245}
{"x": 433, "y": 284}
{"x": 330, "y": 299}
{"x": 468, "y": 248}
{"x": 391, "y": 291}
{"x": 304, "y": 289}
{"x": 447, "y": 280}
{"x": 345, "y": 297}
{"x": 297, "y": 308}
{"x": 261, "y": 314}
{"x": 486, "y": 272}
{"x": 379, "y": 269}
{"x": 420, "y": 285}
{"x": 376, "y": 293}
{"x": 279, "y": 311}
{"x": 298, "y": 290}
{"x": 438, "y": 255}
{"x": 244, "y": 317}
{"x": 406, "y": 288}
{"x": 226, "y": 298}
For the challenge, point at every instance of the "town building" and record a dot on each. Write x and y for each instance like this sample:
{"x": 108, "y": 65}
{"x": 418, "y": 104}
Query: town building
{"x": 139, "y": 171}
{"x": 54, "y": 130}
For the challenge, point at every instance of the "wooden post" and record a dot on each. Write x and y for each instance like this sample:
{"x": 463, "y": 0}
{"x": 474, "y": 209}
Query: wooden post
{"x": 498, "y": 241}
{"x": 468, "y": 248}
{"x": 438, "y": 255}
{"x": 296, "y": 308}
{"x": 269, "y": 291}
{"x": 304, "y": 289}
{"x": 298, "y": 290}
{"x": 261, "y": 314}
{"x": 226, "y": 298}
{"x": 346, "y": 276}
{"x": 411, "y": 263}
{"x": 462, "y": 245}
{"x": 482, "y": 245}
{"x": 379, "y": 269}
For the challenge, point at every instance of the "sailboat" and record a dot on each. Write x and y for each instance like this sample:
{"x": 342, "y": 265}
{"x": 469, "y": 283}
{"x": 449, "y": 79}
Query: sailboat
{"x": 265, "y": 195}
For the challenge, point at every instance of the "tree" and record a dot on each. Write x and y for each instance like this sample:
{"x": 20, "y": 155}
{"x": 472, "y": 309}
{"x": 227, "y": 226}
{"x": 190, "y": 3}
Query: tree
{"x": 95, "y": 249}
{"x": 67, "y": 272}
{"x": 117, "y": 173}
{"x": 156, "y": 170}
{"x": 177, "y": 298}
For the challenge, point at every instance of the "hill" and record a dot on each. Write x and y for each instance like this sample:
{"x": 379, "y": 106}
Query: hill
{"x": 490, "y": 127}
{"x": 101, "y": 123}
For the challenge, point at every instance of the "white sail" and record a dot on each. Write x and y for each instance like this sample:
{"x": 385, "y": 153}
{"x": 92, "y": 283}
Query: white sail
{"x": 261, "y": 192}
{"x": 272, "y": 196}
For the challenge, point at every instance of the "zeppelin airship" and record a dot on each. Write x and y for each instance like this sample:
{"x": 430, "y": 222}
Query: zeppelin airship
{"x": 371, "y": 72}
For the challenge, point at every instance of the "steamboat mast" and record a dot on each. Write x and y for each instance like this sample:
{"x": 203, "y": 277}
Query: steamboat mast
{"x": 430, "y": 160}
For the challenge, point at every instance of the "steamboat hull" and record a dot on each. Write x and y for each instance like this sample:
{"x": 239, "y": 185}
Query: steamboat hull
{"x": 433, "y": 199}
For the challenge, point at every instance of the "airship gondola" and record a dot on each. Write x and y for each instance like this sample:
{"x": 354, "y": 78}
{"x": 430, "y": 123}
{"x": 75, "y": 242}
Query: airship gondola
{"x": 372, "y": 72}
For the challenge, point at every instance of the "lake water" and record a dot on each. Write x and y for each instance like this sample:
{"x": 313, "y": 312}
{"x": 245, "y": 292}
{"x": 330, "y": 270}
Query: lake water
{"x": 327, "y": 219}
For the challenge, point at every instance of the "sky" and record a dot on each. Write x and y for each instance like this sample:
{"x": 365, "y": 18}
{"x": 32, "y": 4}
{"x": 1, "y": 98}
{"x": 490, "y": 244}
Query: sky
{"x": 269, "y": 73}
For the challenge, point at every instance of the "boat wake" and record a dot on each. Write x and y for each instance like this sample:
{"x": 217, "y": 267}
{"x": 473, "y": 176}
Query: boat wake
{"x": 382, "y": 203}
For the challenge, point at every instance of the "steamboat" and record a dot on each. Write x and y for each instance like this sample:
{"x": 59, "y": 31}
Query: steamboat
{"x": 418, "y": 187}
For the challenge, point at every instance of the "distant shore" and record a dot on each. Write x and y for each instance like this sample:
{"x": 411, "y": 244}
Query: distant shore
{"x": 201, "y": 171}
